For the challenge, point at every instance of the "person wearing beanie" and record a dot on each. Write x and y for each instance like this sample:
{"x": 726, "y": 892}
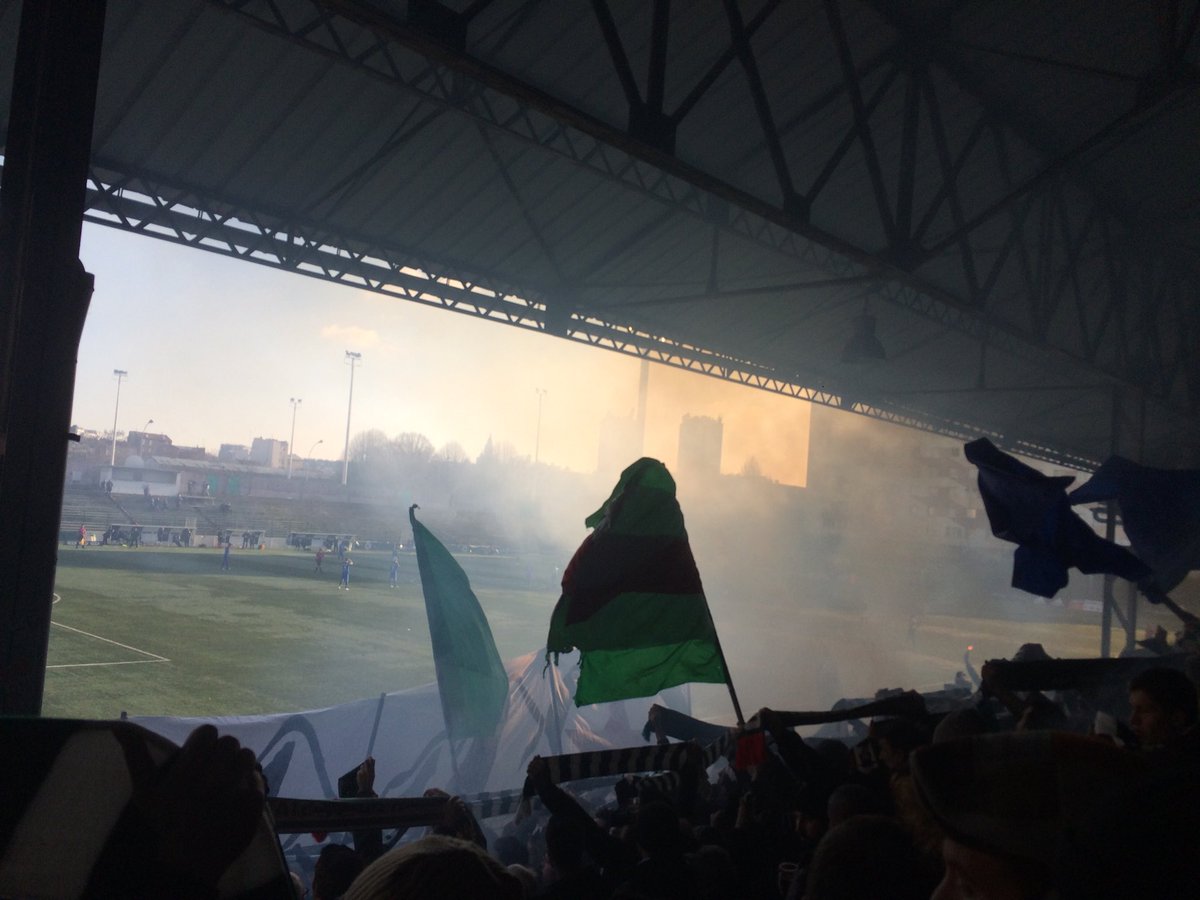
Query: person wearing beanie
{"x": 1004, "y": 803}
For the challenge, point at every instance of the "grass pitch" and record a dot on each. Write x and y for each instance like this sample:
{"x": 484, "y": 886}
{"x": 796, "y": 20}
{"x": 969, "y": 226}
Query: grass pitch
{"x": 156, "y": 631}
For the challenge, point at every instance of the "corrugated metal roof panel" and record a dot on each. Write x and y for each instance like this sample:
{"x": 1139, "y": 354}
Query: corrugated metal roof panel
{"x": 514, "y": 164}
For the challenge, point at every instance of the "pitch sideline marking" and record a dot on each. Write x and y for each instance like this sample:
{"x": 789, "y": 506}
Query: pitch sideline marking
{"x": 154, "y": 657}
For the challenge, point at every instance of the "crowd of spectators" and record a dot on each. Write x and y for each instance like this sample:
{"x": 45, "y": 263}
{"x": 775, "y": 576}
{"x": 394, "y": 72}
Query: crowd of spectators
{"x": 1007, "y": 797}
{"x": 985, "y": 802}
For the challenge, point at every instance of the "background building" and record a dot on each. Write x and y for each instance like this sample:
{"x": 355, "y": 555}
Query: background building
{"x": 269, "y": 452}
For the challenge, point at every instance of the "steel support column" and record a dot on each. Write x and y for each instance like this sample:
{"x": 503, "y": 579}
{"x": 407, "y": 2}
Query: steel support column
{"x": 1110, "y": 533}
{"x": 44, "y": 294}
{"x": 1131, "y": 613}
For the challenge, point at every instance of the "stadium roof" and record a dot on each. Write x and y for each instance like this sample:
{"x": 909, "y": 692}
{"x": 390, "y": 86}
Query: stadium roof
{"x": 1005, "y": 196}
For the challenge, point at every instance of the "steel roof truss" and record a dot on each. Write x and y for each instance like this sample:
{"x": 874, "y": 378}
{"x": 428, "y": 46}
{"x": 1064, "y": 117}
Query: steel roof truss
{"x": 616, "y": 51}
{"x": 748, "y": 218}
{"x": 526, "y": 213}
{"x": 847, "y": 141}
{"x": 949, "y": 187}
{"x": 522, "y": 112}
{"x": 862, "y": 125}
{"x": 721, "y": 63}
{"x": 136, "y": 206}
{"x": 762, "y": 106}
{"x": 908, "y": 163}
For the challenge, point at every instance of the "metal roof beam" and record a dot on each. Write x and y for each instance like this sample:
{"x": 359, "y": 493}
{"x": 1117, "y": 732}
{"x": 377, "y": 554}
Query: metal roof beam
{"x": 514, "y": 107}
{"x": 616, "y": 52}
{"x": 526, "y": 213}
{"x": 862, "y": 125}
{"x": 762, "y": 106}
{"x": 928, "y": 35}
{"x": 671, "y": 181}
{"x": 137, "y": 206}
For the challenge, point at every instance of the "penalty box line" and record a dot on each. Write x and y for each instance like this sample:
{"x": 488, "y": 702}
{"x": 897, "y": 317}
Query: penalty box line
{"x": 154, "y": 657}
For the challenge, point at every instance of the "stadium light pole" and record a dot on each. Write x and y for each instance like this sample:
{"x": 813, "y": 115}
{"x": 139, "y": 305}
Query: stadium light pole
{"x": 352, "y": 359}
{"x": 295, "y": 401}
{"x": 537, "y": 441}
{"x": 120, "y": 373}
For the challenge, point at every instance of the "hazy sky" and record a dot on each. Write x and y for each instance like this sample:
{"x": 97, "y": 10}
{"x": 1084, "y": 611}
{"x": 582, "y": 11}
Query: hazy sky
{"x": 215, "y": 347}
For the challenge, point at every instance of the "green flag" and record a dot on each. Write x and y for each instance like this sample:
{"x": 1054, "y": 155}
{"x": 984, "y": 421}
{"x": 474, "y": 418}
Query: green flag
{"x": 632, "y": 601}
{"x": 471, "y": 679}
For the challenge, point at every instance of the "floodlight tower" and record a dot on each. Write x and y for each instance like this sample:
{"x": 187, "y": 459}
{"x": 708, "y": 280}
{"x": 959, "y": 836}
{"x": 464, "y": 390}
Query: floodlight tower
{"x": 295, "y": 401}
{"x": 352, "y": 360}
{"x": 120, "y": 373}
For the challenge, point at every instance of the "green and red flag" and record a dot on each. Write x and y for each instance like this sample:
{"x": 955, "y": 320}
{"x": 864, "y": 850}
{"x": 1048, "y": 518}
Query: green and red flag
{"x": 632, "y": 602}
{"x": 471, "y": 678}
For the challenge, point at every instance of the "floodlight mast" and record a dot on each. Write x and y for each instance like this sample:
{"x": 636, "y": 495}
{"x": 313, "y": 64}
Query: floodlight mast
{"x": 352, "y": 359}
{"x": 120, "y": 373}
{"x": 295, "y": 401}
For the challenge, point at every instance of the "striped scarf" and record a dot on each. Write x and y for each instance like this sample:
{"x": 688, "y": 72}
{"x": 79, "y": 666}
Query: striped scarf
{"x": 68, "y": 820}
{"x": 668, "y": 759}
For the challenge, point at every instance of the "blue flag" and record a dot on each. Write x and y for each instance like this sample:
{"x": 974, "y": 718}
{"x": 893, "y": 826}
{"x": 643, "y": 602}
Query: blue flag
{"x": 1160, "y": 511}
{"x": 1032, "y": 511}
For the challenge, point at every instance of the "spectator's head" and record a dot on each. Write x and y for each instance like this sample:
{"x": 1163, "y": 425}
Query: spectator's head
{"x": 850, "y": 800}
{"x": 435, "y": 868}
{"x": 626, "y": 791}
{"x": 895, "y": 739}
{"x": 335, "y": 871}
{"x": 713, "y": 873}
{"x": 973, "y": 874}
{"x": 527, "y": 877}
{"x": 1162, "y": 706}
{"x": 511, "y": 850}
{"x": 1042, "y": 714}
{"x": 1031, "y": 653}
{"x": 656, "y": 830}
{"x": 959, "y": 724}
{"x": 565, "y": 841}
{"x": 811, "y": 815}
{"x": 835, "y": 754}
{"x": 1004, "y": 803}
{"x": 1139, "y": 840}
{"x": 869, "y": 856}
